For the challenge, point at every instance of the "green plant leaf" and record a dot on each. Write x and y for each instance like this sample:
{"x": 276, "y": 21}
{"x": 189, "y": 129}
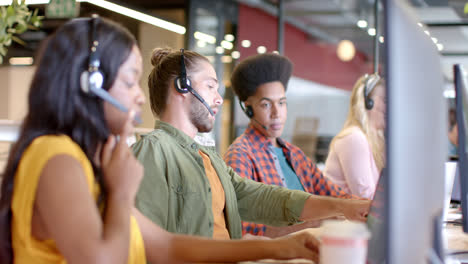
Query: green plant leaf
{"x": 14, "y": 20}
{"x": 8, "y": 40}
{"x": 21, "y": 27}
{"x": 18, "y": 40}
{"x": 3, "y": 50}
{"x": 465, "y": 9}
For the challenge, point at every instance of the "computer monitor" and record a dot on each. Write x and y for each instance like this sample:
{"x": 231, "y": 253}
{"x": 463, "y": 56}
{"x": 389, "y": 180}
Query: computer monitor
{"x": 461, "y": 102}
{"x": 416, "y": 138}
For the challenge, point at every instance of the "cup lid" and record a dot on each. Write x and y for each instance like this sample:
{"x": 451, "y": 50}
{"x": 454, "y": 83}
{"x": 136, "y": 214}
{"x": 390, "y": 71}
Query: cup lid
{"x": 344, "y": 229}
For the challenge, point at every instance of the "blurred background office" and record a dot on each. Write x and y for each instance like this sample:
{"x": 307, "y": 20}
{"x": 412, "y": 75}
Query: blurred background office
{"x": 330, "y": 43}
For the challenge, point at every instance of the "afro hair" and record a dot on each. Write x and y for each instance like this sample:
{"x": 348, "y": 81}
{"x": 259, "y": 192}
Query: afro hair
{"x": 257, "y": 70}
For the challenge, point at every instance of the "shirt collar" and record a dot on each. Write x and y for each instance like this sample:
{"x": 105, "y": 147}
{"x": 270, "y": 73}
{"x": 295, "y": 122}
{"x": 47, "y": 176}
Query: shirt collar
{"x": 182, "y": 138}
{"x": 259, "y": 140}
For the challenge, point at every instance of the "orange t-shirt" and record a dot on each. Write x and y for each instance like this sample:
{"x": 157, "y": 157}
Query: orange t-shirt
{"x": 218, "y": 199}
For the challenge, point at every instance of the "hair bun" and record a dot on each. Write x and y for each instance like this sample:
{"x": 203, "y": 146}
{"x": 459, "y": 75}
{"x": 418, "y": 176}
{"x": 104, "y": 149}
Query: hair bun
{"x": 159, "y": 54}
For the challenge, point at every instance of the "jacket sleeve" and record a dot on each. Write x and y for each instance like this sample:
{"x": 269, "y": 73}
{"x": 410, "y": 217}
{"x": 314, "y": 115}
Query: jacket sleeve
{"x": 267, "y": 204}
{"x": 152, "y": 196}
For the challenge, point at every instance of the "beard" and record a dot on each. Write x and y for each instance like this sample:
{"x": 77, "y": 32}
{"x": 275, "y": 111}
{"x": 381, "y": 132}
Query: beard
{"x": 199, "y": 116}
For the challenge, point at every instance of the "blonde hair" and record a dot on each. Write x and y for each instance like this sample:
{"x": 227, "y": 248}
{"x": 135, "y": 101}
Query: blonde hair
{"x": 358, "y": 116}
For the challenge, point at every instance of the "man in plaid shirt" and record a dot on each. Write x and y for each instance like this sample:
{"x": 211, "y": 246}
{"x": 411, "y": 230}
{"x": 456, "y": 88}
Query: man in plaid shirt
{"x": 259, "y": 153}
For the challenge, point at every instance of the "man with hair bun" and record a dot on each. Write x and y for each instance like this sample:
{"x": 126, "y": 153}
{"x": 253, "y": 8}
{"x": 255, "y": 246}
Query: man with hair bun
{"x": 187, "y": 188}
{"x": 259, "y": 153}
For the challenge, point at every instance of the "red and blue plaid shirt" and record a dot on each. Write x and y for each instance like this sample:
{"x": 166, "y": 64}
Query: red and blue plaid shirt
{"x": 250, "y": 157}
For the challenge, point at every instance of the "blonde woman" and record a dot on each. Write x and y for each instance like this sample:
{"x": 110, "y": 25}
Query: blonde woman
{"x": 357, "y": 153}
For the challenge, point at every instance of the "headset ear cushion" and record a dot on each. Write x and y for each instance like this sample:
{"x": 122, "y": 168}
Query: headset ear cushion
{"x": 96, "y": 79}
{"x": 249, "y": 111}
{"x": 178, "y": 85}
{"x": 369, "y": 104}
{"x": 84, "y": 82}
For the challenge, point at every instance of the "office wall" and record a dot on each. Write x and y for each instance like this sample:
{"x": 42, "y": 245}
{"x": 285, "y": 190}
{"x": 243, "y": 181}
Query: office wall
{"x": 309, "y": 99}
{"x": 313, "y": 59}
{"x": 149, "y": 38}
{"x": 14, "y": 91}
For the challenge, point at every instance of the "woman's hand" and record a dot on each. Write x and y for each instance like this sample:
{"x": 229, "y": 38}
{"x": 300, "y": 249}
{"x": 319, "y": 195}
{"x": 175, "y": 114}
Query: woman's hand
{"x": 122, "y": 171}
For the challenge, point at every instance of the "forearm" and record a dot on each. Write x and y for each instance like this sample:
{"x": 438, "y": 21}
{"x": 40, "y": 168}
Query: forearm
{"x": 274, "y": 231}
{"x": 319, "y": 207}
{"x": 194, "y": 249}
{"x": 116, "y": 228}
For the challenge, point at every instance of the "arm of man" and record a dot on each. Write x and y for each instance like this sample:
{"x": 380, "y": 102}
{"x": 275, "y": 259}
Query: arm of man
{"x": 278, "y": 206}
{"x": 153, "y": 194}
{"x": 164, "y": 247}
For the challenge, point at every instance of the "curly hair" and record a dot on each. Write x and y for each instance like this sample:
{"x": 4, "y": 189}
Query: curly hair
{"x": 257, "y": 70}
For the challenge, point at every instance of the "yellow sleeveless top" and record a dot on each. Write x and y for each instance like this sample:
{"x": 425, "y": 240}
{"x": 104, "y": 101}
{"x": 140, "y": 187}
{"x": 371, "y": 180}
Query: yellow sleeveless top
{"x": 26, "y": 248}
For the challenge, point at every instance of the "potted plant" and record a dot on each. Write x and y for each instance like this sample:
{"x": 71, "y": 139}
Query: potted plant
{"x": 15, "y": 20}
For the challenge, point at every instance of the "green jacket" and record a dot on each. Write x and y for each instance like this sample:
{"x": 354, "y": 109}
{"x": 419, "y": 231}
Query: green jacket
{"x": 176, "y": 195}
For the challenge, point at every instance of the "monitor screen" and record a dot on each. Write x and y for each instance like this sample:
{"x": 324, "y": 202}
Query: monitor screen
{"x": 376, "y": 224}
{"x": 461, "y": 101}
{"x": 416, "y": 138}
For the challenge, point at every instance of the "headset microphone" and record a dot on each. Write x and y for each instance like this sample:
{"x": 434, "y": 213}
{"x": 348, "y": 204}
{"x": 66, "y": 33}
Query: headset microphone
{"x": 92, "y": 79}
{"x": 104, "y": 95}
{"x": 248, "y": 110}
{"x": 264, "y": 127}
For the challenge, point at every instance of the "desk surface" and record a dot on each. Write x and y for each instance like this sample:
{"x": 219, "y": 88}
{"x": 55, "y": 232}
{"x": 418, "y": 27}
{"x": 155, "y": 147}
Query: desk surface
{"x": 456, "y": 240}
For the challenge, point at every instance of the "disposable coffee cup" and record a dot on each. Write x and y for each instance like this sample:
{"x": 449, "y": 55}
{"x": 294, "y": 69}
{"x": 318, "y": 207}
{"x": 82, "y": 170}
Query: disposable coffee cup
{"x": 343, "y": 242}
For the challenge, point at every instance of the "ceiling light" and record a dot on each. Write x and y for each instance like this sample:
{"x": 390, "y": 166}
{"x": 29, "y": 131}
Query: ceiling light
{"x": 137, "y": 15}
{"x": 427, "y": 32}
{"x": 381, "y": 39}
{"x": 261, "y": 49}
{"x": 440, "y": 46}
{"x": 420, "y": 24}
{"x": 227, "y": 45}
{"x": 246, "y": 43}
{"x": 235, "y": 54}
{"x": 362, "y": 23}
{"x": 371, "y": 31}
{"x": 229, "y": 37}
{"x": 205, "y": 37}
{"x": 21, "y": 61}
{"x": 434, "y": 40}
{"x": 201, "y": 43}
{"x": 275, "y": 52}
{"x": 345, "y": 50}
{"x": 449, "y": 93}
{"x": 28, "y": 2}
{"x": 219, "y": 50}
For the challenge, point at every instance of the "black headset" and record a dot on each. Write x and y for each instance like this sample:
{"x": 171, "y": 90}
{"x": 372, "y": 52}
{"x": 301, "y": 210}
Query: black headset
{"x": 183, "y": 85}
{"x": 370, "y": 82}
{"x": 92, "y": 79}
{"x": 248, "y": 110}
